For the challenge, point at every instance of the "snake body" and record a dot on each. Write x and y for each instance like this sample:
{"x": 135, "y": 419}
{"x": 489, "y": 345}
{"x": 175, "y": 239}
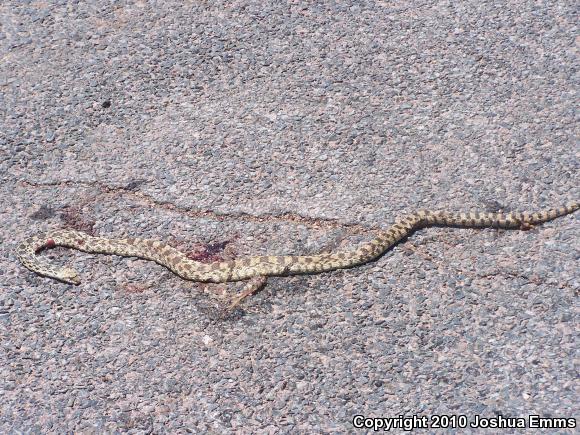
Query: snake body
{"x": 263, "y": 266}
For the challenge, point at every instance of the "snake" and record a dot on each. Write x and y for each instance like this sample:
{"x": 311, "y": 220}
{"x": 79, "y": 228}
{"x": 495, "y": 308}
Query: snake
{"x": 260, "y": 267}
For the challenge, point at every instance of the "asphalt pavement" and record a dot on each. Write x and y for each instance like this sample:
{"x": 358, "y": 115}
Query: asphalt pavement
{"x": 242, "y": 128}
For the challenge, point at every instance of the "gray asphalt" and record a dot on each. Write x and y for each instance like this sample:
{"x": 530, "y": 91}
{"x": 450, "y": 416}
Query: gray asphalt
{"x": 247, "y": 127}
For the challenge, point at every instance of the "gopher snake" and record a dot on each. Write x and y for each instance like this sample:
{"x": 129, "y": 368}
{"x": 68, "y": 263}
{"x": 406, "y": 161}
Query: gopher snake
{"x": 261, "y": 267}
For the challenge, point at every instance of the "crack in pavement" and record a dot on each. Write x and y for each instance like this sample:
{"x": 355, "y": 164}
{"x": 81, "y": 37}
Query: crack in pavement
{"x": 129, "y": 190}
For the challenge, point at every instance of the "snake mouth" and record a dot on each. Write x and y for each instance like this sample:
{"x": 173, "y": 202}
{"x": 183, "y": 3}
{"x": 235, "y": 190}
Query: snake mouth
{"x": 72, "y": 280}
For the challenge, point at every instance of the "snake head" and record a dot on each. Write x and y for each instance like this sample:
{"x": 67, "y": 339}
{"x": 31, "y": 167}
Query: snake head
{"x": 69, "y": 276}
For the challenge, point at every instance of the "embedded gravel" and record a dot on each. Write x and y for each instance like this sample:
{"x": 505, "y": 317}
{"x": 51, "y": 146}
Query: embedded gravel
{"x": 250, "y": 127}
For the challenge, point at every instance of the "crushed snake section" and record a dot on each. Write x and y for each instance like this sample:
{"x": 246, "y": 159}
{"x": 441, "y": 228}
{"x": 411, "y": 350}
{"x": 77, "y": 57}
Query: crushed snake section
{"x": 260, "y": 267}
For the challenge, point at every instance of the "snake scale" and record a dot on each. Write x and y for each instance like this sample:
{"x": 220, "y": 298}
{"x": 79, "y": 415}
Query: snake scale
{"x": 262, "y": 266}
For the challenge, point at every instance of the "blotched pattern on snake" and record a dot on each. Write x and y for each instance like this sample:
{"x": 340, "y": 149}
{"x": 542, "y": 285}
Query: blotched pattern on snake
{"x": 269, "y": 265}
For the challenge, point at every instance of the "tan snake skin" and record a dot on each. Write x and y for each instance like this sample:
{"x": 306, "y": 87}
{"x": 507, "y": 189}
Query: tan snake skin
{"x": 253, "y": 267}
